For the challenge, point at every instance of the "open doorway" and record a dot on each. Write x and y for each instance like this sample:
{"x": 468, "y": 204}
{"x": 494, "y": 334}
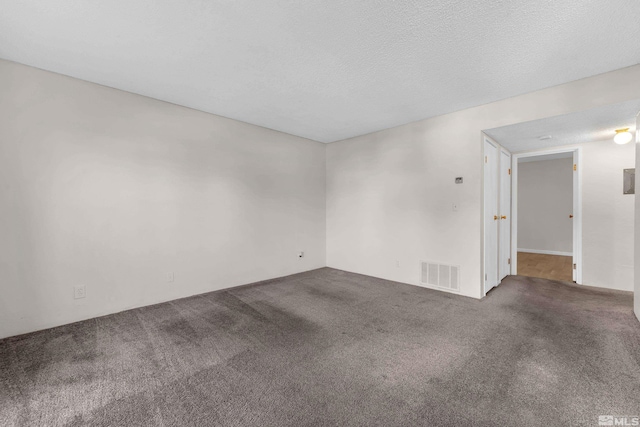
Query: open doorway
{"x": 586, "y": 146}
{"x": 547, "y": 229}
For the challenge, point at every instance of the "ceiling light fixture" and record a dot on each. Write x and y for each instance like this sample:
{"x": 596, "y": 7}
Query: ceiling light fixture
{"x": 622, "y": 136}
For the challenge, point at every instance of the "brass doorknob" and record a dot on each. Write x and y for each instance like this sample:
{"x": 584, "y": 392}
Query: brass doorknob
{"x": 495, "y": 217}
{"x": 503, "y": 217}
{"x": 570, "y": 216}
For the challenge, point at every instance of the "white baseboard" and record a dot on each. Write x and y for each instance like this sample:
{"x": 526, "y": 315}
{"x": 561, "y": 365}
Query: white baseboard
{"x": 540, "y": 251}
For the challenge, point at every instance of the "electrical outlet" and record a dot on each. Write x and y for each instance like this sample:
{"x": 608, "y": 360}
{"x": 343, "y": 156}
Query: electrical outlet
{"x": 170, "y": 277}
{"x": 300, "y": 254}
{"x": 79, "y": 292}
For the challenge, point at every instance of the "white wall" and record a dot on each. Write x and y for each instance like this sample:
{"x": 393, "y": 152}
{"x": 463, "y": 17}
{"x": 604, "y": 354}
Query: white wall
{"x": 111, "y": 190}
{"x": 545, "y": 201}
{"x": 607, "y": 216}
{"x": 389, "y": 193}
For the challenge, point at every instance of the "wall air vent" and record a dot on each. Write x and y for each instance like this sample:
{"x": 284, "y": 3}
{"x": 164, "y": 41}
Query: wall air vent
{"x": 442, "y": 276}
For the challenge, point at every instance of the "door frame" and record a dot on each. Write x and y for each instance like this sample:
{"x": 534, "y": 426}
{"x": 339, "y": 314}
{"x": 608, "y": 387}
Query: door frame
{"x": 509, "y": 213}
{"x": 577, "y": 205}
{"x": 483, "y": 270}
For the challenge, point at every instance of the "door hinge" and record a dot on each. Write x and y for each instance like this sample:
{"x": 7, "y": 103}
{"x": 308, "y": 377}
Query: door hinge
{"x": 509, "y": 171}
{"x": 485, "y": 277}
{"x": 575, "y": 266}
{"x": 575, "y": 167}
{"x": 509, "y": 261}
{"x": 486, "y": 159}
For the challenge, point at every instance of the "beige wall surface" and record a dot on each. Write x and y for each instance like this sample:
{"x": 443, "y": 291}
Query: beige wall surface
{"x": 113, "y": 191}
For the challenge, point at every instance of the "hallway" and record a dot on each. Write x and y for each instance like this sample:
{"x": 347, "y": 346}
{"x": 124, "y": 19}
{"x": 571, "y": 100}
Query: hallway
{"x": 552, "y": 267}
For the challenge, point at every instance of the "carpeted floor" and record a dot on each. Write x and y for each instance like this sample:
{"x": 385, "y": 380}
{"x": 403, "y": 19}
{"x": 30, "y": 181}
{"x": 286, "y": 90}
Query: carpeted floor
{"x": 329, "y": 348}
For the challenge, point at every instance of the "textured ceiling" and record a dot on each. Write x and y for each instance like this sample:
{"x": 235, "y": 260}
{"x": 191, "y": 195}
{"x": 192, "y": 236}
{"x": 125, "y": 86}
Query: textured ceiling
{"x": 596, "y": 124}
{"x": 323, "y": 69}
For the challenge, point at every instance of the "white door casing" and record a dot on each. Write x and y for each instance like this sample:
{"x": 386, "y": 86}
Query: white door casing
{"x": 504, "y": 221}
{"x": 577, "y": 206}
{"x": 490, "y": 215}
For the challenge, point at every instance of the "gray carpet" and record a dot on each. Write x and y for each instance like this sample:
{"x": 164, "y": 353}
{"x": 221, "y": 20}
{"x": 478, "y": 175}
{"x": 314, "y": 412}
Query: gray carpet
{"x": 337, "y": 349}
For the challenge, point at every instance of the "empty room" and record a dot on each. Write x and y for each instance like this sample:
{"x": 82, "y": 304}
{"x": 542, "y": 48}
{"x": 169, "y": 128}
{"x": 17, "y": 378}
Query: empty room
{"x": 272, "y": 213}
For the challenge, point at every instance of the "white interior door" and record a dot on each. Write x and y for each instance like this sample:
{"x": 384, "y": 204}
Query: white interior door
{"x": 504, "y": 223}
{"x": 491, "y": 183}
